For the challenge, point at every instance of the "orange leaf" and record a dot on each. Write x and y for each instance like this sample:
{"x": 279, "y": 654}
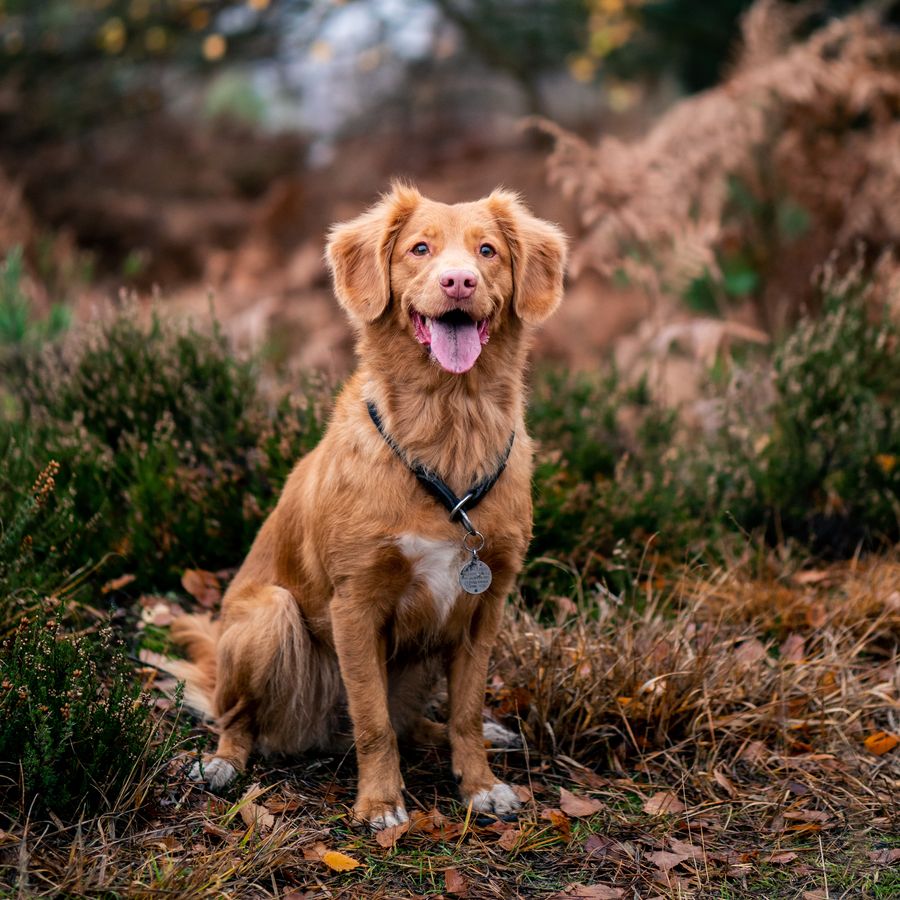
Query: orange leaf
{"x": 880, "y": 742}
{"x": 559, "y": 820}
{"x": 575, "y": 806}
{"x": 338, "y": 861}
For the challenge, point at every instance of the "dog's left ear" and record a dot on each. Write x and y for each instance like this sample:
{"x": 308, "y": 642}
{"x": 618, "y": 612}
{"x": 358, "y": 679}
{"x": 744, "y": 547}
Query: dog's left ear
{"x": 358, "y": 253}
{"x": 539, "y": 254}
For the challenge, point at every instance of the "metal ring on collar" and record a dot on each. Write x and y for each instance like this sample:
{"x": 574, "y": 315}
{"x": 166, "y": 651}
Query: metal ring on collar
{"x": 478, "y": 536}
{"x": 459, "y": 506}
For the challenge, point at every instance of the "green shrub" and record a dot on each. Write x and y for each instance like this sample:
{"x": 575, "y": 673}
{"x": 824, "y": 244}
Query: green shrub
{"x": 75, "y": 730}
{"x": 165, "y": 441}
{"x": 824, "y": 466}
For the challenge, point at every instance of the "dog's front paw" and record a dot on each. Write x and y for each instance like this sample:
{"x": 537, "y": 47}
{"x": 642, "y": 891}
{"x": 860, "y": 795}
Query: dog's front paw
{"x": 216, "y": 772}
{"x": 500, "y": 800}
{"x": 380, "y": 814}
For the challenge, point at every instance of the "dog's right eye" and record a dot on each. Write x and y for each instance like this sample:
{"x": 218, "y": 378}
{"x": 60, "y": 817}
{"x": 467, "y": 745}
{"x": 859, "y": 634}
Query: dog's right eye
{"x": 419, "y": 249}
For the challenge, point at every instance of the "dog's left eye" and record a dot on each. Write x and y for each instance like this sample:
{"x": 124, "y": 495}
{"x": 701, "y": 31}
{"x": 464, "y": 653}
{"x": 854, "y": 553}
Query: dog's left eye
{"x": 419, "y": 249}
{"x": 487, "y": 251}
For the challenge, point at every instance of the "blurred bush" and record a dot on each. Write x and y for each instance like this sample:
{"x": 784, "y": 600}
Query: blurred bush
{"x": 804, "y": 449}
{"x": 165, "y": 451}
{"x": 736, "y": 196}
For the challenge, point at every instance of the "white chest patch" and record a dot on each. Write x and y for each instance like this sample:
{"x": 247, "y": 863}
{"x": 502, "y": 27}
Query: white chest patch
{"x": 437, "y": 563}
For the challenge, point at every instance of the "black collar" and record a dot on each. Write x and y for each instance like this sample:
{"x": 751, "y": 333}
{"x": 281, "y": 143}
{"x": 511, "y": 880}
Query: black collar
{"x": 456, "y": 506}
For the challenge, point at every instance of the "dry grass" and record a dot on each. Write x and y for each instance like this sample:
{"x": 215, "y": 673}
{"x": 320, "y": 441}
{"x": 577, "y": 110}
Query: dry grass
{"x": 716, "y": 728}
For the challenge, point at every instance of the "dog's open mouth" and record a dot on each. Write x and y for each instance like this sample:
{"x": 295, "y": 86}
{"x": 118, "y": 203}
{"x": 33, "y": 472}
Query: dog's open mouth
{"x": 455, "y": 339}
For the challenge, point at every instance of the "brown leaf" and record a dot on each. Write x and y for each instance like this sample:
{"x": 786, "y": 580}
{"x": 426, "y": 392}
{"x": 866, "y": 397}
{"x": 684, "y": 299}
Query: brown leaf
{"x": 297, "y": 895}
{"x": 793, "y": 648}
{"x": 388, "y": 837}
{"x": 687, "y": 850}
{"x": 881, "y": 742}
{"x": 749, "y": 652}
{"x": 590, "y": 892}
{"x": 664, "y": 860}
{"x": 251, "y": 812}
{"x": 455, "y": 882}
{"x": 597, "y": 845}
{"x": 578, "y": 807}
{"x": 886, "y": 857}
{"x": 203, "y": 586}
{"x": 509, "y": 839}
{"x": 724, "y": 782}
{"x": 663, "y": 802}
{"x": 807, "y": 815}
{"x": 779, "y": 859}
{"x": 116, "y": 584}
{"x": 282, "y": 806}
{"x": 216, "y": 830}
{"x": 811, "y": 576}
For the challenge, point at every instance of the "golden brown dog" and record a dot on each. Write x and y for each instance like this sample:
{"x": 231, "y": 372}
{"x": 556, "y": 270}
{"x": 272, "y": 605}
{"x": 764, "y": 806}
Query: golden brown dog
{"x": 350, "y": 596}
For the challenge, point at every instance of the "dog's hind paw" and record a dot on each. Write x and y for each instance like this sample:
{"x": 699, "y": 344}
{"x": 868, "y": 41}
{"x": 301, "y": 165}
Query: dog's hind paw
{"x": 498, "y": 736}
{"x": 216, "y": 773}
{"x": 501, "y": 800}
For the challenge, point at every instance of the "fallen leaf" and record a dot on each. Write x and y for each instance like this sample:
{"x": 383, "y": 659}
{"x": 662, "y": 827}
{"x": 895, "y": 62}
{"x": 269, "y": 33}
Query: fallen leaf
{"x": 749, "y": 652}
{"x": 456, "y": 883}
{"x": 881, "y": 742}
{"x": 807, "y": 815}
{"x": 886, "y": 857}
{"x": 216, "y": 830}
{"x": 793, "y": 648}
{"x": 663, "y": 802}
{"x": 578, "y": 807}
{"x": 297, "y": 895}
{"x": 559, "y": 820}
{"x": 590, "y": 892}
{"x": 779, "y": 859}
{"x": 388, "y": 837}
{"x": 686, "y": 849}
{"x": 339, "y": 862}
{"x": 664, "y": 860}
{"x": 203, "y": 586}
{"x": 251, "y": 812}
{"x": 597, "y": 845}
{"x": 116, "y": 584}
{"x": 724, "y": 782}
{"x": 282, "y": 806}
{"x": 509, "y": 839}
{"x": 754, "y": 752}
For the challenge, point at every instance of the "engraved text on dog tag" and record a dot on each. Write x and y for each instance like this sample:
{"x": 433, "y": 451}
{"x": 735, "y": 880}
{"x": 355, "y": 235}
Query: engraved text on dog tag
{"x": 475, "y": 576}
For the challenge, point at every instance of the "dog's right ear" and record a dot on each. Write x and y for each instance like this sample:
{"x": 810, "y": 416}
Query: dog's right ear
{"x": 359, "y": 253}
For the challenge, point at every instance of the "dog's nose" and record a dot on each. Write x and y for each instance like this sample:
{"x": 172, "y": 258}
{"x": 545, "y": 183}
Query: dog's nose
{"x": 459, "y": 284}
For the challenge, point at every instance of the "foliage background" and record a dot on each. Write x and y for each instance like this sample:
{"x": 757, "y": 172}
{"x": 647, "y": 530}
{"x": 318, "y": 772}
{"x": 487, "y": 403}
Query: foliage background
{"x": 708, "y": 619}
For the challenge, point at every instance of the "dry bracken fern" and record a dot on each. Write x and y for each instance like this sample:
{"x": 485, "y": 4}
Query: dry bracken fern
{"x": 815, "y": 121}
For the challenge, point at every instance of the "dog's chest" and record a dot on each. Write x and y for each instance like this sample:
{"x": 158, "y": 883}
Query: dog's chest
{"x": 435, "y": 566}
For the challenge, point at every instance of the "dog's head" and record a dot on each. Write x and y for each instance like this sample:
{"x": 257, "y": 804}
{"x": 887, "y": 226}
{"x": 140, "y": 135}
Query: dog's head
{"x": 449, "y": 277}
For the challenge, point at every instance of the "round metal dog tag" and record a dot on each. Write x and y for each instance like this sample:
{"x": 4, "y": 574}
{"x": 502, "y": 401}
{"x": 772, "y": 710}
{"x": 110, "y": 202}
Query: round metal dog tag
{"x": 475, "y": 577}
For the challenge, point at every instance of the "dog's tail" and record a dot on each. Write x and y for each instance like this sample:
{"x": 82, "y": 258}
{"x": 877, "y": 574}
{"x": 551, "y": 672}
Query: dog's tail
{"x": 198, "y": 634}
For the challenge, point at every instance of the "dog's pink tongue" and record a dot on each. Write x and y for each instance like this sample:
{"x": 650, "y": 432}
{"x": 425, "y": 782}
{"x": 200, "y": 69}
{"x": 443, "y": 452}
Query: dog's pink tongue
{"x": 455, "y": 346}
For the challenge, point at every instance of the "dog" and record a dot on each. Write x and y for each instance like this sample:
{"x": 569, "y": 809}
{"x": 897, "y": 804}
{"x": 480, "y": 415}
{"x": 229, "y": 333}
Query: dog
{"x": 361, "y": 586}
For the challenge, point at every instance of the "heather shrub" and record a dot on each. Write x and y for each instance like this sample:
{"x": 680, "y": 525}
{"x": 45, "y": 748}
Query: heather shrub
{"x": 169, "y": 450}
{"x": 823, "y": 466}
{"x": 75, "y": 729}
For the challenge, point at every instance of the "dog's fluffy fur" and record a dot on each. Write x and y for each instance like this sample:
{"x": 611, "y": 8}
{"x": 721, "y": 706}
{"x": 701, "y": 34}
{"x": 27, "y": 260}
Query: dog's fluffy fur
{"x": 348, "y": 600}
